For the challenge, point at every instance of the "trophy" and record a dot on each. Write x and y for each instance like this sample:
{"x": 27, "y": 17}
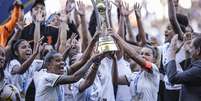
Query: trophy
{"x": 105, "y": 43}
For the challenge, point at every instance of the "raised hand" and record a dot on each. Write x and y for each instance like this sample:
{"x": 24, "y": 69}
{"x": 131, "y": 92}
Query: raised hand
{"x": 113, "y": 55}
{"x": 97, "y": 57}
{"x": 117, "y": 3}
{"x": 38, "y": 46}
{"x": 125, "y": 10}
{"x": 39, "y": 16}
{"x": 186, "y": 46}
{"x": 73, "y": 40}
{"x": 18, "y": 2}
{"x": 188, "y": 36}
{"x": 69, "y": 6}
{"x": 137, "y": 9}
{"x": 63, "y": 16}
{"x": 81, "y": 8}
{"x": 20, "y": 26}
{"x": 173, "y": 47}
{"x": 113, "y": 34}
{"x": 97, "y": 34}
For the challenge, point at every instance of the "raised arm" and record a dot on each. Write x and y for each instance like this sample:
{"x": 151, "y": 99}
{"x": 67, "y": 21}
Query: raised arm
{"x": 65, "y": 79}
{"x": 116, "y": 79}
{"x": 131, "y": 51}
{"x": 86, "y": 55}
{"x": 85, "y": 36}
{"x": 142, "y": 34}
{"x": 69, "y": 45}
{"x": 190, "y": 76}
{"x": 7, "y": 29}
{"x": 89, "y": 80}
{"x": 16, "y": 36}
{"x": 173, "y": 19}
{"x": 37, "y": 34}
{"x": 121, "y": 30}
{"x": 63, "y": 31}
{"x": 22, "y": 69}
{"x": 16, "y": 13}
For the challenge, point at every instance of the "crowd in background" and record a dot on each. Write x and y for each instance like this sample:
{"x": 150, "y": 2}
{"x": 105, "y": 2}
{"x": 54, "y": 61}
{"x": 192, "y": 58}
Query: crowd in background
{"x": 58, "y": 59}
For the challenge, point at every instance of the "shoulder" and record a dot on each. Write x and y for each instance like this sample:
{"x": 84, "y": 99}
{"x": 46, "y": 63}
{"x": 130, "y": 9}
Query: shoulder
{"x": 131, "y": 77}
{"x": 155, "y": 68}
{"x": 37, "y": 62}
{"x": 14, "y": 63}
{"x": 48, "y": 78}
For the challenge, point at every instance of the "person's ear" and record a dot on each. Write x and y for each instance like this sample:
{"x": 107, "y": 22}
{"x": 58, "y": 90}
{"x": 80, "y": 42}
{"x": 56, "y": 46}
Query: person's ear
{"x": 48, "y": 64}
{"x": 16, "y": 53}
{"x": 198, "y": 51}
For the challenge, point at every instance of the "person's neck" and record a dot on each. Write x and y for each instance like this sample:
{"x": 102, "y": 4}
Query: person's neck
{"x": 21, "y": 60}
{"x": 49, "y": 71}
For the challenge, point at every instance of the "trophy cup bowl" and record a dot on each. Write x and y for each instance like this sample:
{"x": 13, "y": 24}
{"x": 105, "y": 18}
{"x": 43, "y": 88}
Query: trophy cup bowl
{"x": 106, "y": 43}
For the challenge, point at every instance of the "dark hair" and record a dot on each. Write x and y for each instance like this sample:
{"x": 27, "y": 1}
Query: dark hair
{"x": 92, "y": 24}
{"x": 14, "y": 47}
{"x": 49, "y": 56}
{"x": 154, "y": 50}
{"x": 2, "y": 69}
{"x": 183, "y": 21}
{"x": 38, "y": 2}
{"x": 196, "y": 42}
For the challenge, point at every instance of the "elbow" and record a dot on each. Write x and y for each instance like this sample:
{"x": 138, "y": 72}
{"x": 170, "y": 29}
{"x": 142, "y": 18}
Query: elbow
{"x": 21, "y": 72}
{"x": 172, "y": 72}
{"x": 172, "y": 80}
{"x": 76, "y": 77}
{"x": 17, "y": 72}
{"x": 89, "y": 82}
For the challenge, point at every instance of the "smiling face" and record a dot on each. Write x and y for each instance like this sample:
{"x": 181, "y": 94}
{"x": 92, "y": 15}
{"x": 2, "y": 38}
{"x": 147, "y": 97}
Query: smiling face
{"x": 56, "y": 64}
{"x": 169, "y": 33}
{"x": 23, "y": 51}
{"x": 2, "y": 58}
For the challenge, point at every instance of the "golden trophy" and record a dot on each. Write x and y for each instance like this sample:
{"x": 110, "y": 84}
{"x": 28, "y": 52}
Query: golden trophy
{"x": 105, "y": 43}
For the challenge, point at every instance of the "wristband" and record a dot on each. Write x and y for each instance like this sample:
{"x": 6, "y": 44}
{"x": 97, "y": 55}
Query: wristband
{"x": 148, "y": 65}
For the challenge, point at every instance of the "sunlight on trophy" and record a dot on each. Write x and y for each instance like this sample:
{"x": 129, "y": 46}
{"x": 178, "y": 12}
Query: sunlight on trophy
{"x": 106, "y": 43}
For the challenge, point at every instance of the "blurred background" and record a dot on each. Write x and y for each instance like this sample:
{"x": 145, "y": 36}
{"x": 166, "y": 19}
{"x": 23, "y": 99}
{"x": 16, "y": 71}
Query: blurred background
{"x": 154, "y": 14}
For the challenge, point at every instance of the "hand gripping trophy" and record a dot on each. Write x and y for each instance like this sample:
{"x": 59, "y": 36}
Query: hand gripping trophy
{"x": 106, "y": 43}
